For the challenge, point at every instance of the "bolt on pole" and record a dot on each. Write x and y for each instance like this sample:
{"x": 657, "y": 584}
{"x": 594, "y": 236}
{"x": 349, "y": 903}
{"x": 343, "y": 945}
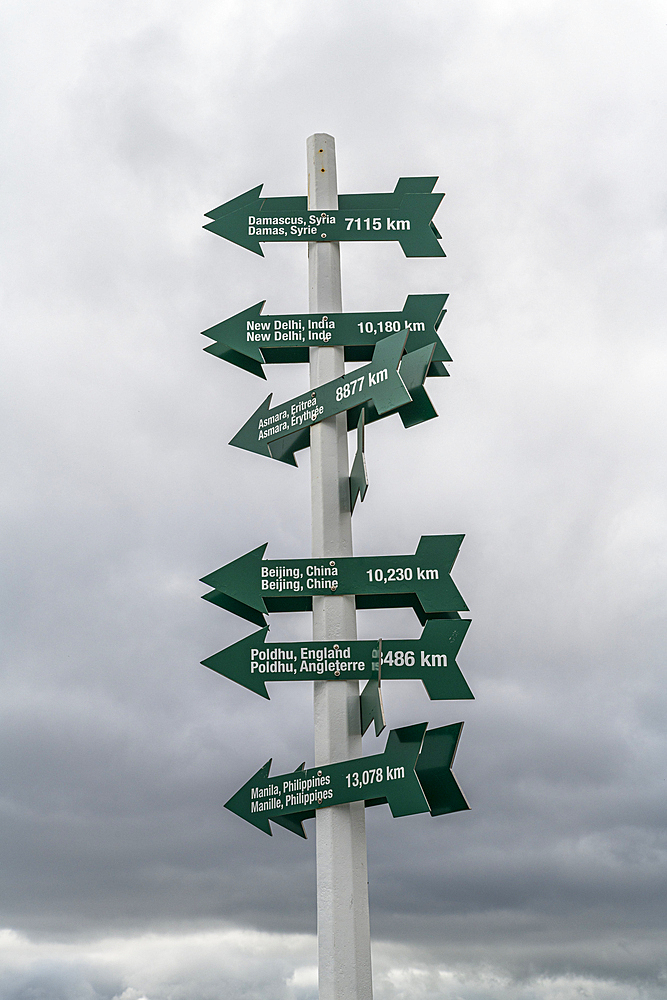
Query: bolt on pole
{"x": 343, "y": 925}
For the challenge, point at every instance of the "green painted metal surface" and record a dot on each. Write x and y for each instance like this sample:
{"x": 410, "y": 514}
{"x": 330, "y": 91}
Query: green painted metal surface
{"x": 379, "y": 381}
{"x": 412, "y": 775}
{"x": 412, "y": 369}
{"x": 404, "y": 215}
{"x": 380, "y": 388}
{"x": 251, "y": 586}
{"x": 370, "y": 706}
{"x": 431, "y": 658}
{"x": 250, "y": 339}
{"x": 358, "y": 474}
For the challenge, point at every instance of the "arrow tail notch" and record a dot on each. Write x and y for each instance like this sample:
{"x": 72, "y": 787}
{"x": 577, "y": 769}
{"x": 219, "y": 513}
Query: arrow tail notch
{"x": 235, "y": 587}
{"x": 434, "y": 770}
{"x": 240, "y": 803}
{"x": 408, "y": 212}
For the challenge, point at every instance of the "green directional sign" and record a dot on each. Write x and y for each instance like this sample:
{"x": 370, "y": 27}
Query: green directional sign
{"x": 431, "y": 658}
{"x": 252, "y": 586}
{"x": 379, "y": 381}
{"x": 413, "y": 775}
{"x": 250, "y": 339}
{"x": 405, "y": 214}
{"x": 378, "y": 384}
{"x": 412, "y": 369}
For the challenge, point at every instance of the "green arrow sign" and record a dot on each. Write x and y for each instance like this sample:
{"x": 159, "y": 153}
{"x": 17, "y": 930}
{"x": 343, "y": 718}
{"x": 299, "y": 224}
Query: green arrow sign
{"x": 413, "y": 775}
{"x": 412, "y": 369}
{"x": 431, "y": 658}
{"x": 251, "y": 586}
{"x": 250, "y": 339}
{"x": 404, "y": 215}
{"x": 379, "y": 383}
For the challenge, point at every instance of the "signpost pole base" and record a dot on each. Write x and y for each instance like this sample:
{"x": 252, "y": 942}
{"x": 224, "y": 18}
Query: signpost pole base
{"x": 343, "y": 925}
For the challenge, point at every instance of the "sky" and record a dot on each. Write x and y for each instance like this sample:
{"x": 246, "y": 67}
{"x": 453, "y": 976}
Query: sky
{"x": 121, "y": 875}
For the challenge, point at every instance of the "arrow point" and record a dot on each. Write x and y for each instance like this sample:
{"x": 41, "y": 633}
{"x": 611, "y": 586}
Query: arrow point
{"x": 230, "y": 229}
{"x": 246, "y": 438}
{"x": 422, "y": 239}
{"x": 408, "y": 734}
{"x": 240, "y": 802}
{"x": 231, "y": 342}
{"x": 238, "y": 582}
{"x": 370, "y": 705}
{"x": 232, "y": 662}
{"x": 391, "y": 393}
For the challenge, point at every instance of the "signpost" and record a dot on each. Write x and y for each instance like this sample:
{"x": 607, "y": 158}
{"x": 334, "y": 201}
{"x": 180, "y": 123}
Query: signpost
{"x": 413, "y": 773}
{"x": 431, "y": 658}
{"x": 250, "y": 339}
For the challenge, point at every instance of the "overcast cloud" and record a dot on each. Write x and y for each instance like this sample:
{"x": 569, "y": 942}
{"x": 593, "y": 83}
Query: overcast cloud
{"x": 121, "y": 876}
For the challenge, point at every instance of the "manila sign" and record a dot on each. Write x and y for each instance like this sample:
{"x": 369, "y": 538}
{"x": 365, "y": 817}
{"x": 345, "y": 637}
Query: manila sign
{"x": 412, "y": 775}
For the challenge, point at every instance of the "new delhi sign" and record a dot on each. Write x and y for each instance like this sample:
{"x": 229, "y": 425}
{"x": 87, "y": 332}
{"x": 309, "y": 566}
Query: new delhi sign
{"x": 251, "y": 339}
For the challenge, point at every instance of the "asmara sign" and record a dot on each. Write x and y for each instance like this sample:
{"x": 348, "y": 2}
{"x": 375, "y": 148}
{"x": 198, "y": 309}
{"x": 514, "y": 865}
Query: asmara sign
{"x": 405, "y": 215}
{"x": 412, "y": 775}
{"x": 431, "y": 658}
{"x": 379, "y": 383}
{"x": 252, "y": 586}
{"x": 412, "y": 368}
{"x": 250, "y": 339}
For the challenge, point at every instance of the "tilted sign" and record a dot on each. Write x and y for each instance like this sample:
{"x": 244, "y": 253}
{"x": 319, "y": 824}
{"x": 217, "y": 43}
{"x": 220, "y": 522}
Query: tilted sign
{"x": 431, "y": 658}
{"x": 252, "y": 586}
{"x": 405, "y": 214}
{"x": 250, "y": 339}
{"x": 412, "y": 368}
{"x": 379, "y": 384}
{"x": 412, "y": 775}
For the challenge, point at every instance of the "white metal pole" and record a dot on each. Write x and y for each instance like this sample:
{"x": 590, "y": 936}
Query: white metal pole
{"x": 343, "y": 927}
